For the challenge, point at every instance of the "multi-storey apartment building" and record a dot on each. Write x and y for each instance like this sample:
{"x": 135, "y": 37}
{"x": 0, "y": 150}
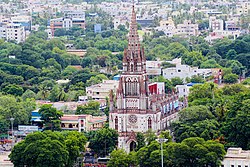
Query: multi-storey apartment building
{"x": 70, "y": 19}
{"x": 215, "y": 24}
{"x": 187, "y": 29}
{"x": 14, "y": 32}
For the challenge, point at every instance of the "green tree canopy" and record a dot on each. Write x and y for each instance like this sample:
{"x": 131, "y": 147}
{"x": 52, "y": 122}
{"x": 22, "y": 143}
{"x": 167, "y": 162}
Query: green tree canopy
{"x": 103, "y": 141}
{"x": 48, "y": 149}
{"x": 50, "y": 116}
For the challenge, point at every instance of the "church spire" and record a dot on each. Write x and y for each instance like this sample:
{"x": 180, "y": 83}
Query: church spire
{"x": 133, "y": 40}
{"x": 134, "y": 60}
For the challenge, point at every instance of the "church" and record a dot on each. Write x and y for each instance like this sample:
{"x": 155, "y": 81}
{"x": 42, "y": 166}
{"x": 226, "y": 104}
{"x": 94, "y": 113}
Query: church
{"x": 139, "y": 105}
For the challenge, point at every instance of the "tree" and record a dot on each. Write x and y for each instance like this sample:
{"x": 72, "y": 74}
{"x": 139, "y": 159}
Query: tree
{"x": 29, "y": 94}
{"x": 202, "y": 93}
{"x": 140, "y": 140}
{"x": 103, "y": 141}
{"x": 3, "y": 125}
{"x": 122, "y": 159}
{"x": 40, "y": 149}
{"x": 210, "y": 63}
{"x": 195, "y": 121}
{"x": 92, "y": 108}
{"x": 166, "y": 135}
{"x": 48, "y": 149}
{"x": 150, "y": 136}
{"x": 191, "y": 152}
{"x": 96, "y": 79}
{"x": 195, "y": 113}
{"x": 197, "y": 79}
{"x": 231, "y": 54}
{"x": 11, "y": 107}
{"x": 57, "y": 94}
{"x": 236, "y": 66}
{"x": 144, "y": 154}
{"x": 176, "y": 81}
{"x": 230, "y": 78}
{"x": 193, "y": 58}
{"x": 75, "y": 143}
{"x": 51, "y": 116}
{"x": 236, "y": 129}
{"x": 13, "y": 89}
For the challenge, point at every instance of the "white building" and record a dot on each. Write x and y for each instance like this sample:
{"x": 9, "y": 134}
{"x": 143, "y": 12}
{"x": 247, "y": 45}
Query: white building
{"x": 184, "y": 71}
{"x": 168, "y": 27}
{"x": 153, "y": 68}
{"x": 215, "y": 24}
{"x": 236, "y": 157}
{"x": 183, "y": 90}
{"x": 102, "y": 90}
{"x": 243, "y": 8}
{"x": 187, "y": 29}
{"x": 14, "y": 32}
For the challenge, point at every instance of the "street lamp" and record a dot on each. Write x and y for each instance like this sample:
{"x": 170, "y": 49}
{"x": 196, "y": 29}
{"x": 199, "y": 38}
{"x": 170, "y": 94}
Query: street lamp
{"x": 12, "y": 135}
{"x": 162, "y": 140}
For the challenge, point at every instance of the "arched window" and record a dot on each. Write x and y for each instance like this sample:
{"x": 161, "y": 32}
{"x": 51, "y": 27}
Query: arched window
{"x": 63, "y": 125}
{"x": 132, "y": 68}
{"x": 116, "y": 123}
{"x": 70, "y": 126}
{"x": 149, "y": 123}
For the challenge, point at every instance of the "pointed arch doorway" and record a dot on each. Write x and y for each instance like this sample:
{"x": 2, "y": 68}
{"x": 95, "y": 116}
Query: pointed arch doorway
{"x": 132, "y": 146}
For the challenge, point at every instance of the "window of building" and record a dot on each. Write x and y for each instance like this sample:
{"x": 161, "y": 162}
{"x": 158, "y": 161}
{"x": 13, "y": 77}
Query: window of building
{"x": 149, "y": 123}
{"x": 239, "y": 165}
{"x": 116, "y": 123}
{"x": 179, "y": 70}
{"x": 97, "y": 93}
{"x": 232, "y": 165}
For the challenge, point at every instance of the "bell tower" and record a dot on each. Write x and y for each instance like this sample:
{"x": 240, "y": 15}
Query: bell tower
{"x": 132, "y": 94}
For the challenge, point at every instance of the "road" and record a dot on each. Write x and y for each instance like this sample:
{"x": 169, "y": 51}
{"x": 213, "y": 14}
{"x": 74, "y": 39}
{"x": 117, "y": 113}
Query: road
{"x": 4, "y": 159}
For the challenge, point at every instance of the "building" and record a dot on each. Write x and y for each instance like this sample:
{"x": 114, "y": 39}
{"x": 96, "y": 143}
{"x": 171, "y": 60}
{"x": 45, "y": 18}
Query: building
{"x": 184, "y": 71}
{"x": 72, "y": 122}
{"x": 97, "y": 28}
{"x": 82, "y": 123}
{"x": 136, "y": 107}
{"x": 25, "y": 21}
{"x": 243, "y": 8}
{"x": 101, "y": 91}
{"x": 232, "y": 25}
{"x": 236, "y": 157}
{"x": 216, "y": 24}
{"x": 70, "y": 19}
{"x": 187, "y": 29}
{"x": 153, "y": 68}
{"x": 74, "y": 14}
{"x": 15, "y": 32}
{"x": 168, "y": 27}
{"x": 183, "y": 90}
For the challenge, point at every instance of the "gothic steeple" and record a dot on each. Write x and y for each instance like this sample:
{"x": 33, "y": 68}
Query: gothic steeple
{"x": 134, "y": 60}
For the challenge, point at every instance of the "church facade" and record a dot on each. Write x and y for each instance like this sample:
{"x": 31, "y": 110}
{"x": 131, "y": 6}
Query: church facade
{"x": 136, "y": 108}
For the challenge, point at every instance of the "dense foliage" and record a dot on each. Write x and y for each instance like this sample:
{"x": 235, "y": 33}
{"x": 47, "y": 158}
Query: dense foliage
{"x": 48, "y": 149}
{"x": 191, "y": 152}
{"x": 216, "y": 114}
{"x": 103, "y": 141}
